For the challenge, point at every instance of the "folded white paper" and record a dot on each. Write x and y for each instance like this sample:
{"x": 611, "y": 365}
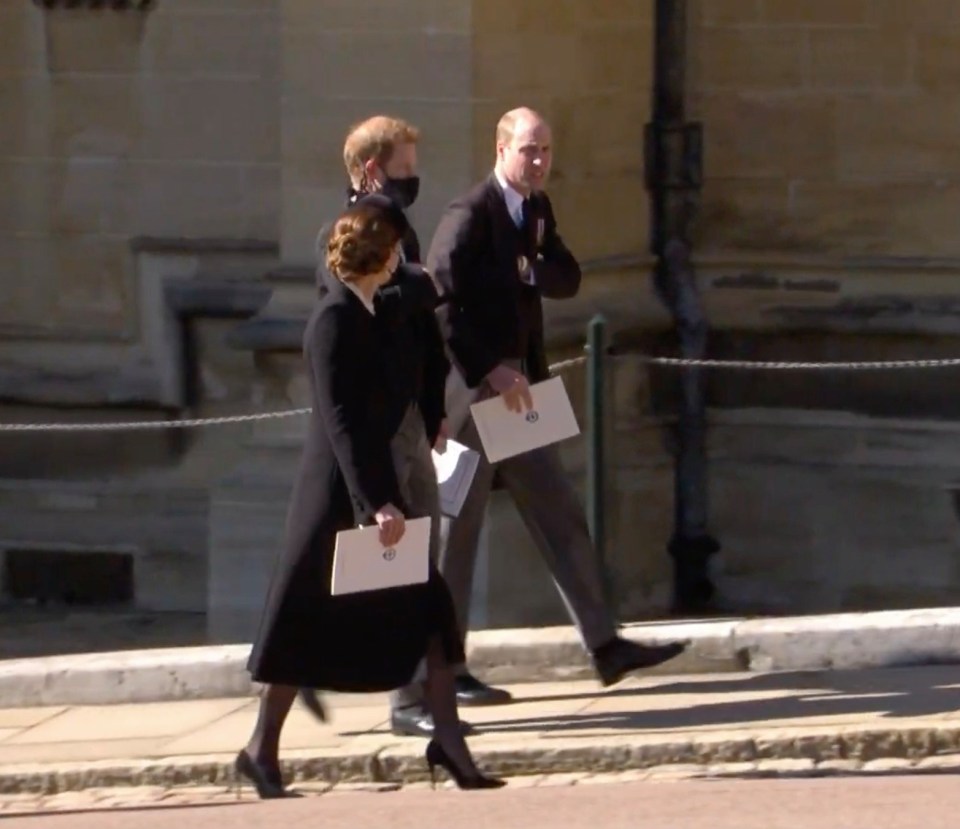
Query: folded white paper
{"x": 455, "y": 470}
{"x": 362, "y": 563}
{"x": 505, "y": 434}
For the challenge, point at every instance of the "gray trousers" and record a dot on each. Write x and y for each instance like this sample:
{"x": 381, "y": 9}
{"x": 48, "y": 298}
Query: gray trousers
{"x": 552, "y": 512}
{"x": 417, "y": 480}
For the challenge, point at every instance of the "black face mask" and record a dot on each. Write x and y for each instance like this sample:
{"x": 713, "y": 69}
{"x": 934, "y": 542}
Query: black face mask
{"x": 403, "y": 191}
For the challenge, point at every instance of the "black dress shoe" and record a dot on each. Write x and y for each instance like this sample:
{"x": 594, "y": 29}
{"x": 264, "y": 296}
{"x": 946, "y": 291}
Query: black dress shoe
{"x": 416, "y": 722}
{"x": 471, "y": 691}
{"x": 619, "y": 656}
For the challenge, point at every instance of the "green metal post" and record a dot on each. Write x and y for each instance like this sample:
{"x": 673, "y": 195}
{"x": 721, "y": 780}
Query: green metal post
{"x": 596, "y": 450}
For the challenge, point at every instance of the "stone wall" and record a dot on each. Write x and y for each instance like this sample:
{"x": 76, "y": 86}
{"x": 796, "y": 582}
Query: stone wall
{"x": 180, "y": 155}
{"x": 588, "y": 68}
{"x": 123, "y": 124}
{"x": 831, "y": 127}
{"x": 343, "y": 62}
{"x": 826, "y": 233}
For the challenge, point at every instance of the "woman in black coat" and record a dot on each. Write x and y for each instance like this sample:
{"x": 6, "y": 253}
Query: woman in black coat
{"x": 364, "y": 442}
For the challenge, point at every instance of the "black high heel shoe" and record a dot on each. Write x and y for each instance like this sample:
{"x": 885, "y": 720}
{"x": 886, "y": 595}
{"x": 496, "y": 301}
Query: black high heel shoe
{"x": 437, "y": 756}
{"x": 267, "y": 788}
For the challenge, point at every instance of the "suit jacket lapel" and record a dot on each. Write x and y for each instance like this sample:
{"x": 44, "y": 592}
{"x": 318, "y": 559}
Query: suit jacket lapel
{"x": 504, "y": 229}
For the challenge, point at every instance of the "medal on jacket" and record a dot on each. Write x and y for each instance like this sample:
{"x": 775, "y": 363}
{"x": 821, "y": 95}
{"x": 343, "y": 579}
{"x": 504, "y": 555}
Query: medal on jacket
{"x": 523, "y": 268}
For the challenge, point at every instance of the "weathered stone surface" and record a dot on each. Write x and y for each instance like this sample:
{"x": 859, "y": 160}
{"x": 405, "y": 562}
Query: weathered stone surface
{"x": 163, "y": 530}
{"x": 844, "y": 642}
{"x": 838, "y": 767}
{"x": 828, "y": 209}
{"x": 246, "y": 523}
{"x": 389, "y": 769}
{"x": 888, "y": 765}
{"x": 785, "y": 768}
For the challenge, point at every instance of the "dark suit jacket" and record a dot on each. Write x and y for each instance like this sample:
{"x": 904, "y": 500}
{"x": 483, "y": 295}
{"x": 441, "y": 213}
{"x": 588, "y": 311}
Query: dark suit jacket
{"x": 488, "y": 315}
{"x": 407, "y": 302}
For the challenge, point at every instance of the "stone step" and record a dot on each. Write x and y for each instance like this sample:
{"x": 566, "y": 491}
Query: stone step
{"x": 822, "y": 752}
{"x": 841, "y": 641}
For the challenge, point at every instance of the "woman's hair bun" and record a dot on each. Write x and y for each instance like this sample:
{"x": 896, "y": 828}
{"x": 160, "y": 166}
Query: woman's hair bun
{"x": 361, "y": 242}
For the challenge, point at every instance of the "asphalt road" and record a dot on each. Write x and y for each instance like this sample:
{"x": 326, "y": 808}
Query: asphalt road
{"x": 930, "y": 802}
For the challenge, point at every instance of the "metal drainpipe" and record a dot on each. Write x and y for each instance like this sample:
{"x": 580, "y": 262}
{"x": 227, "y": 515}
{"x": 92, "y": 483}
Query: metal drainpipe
{"x": 673, "y": 156}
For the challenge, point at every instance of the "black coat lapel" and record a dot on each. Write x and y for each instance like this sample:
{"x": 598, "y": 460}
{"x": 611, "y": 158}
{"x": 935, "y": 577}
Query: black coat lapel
{"x": 411, "y": 247}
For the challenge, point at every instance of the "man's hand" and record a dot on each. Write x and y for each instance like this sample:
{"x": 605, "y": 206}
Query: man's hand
{"x": 512, "y": 386}
{"x": 440, "y": 444}
{"x": 525, "y": 270}
{"x": 391, "y": 523}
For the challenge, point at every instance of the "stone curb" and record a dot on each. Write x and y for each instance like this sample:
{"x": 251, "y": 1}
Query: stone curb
{"x": 829, "y": 751}
{"x": 831, "y": 642}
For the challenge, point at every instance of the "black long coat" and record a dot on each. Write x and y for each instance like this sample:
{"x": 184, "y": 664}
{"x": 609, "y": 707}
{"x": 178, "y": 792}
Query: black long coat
{"x": 367, "y": 641}
{"x": 420, "y": 349}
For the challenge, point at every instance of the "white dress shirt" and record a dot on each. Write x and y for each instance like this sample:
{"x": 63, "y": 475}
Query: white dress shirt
{"x": 513, "y": 199}
{"x": 515, "y": 208}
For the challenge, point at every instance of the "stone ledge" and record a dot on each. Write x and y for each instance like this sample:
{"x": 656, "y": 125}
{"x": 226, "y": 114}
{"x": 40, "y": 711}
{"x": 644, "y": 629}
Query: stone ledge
{"x": 818, "y": 752}
{"x": 832, "y": 642}
{"x": 174, "y": 244}
{"x": 116, "y": 5}
{"x": 269, "y": 334}
{"x": 139, "y": 797}
{"x": 132, "y": 385}
{"x": 215, "y": 299}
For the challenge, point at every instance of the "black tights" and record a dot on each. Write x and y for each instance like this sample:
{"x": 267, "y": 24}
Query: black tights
{"x": 439, "y": 696}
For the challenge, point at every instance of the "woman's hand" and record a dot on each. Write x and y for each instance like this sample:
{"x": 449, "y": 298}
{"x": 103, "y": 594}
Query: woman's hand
{"x": 391, "y": 523}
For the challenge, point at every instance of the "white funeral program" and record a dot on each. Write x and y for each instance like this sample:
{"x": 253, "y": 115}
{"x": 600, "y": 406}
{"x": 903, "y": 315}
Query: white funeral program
{"x": 455, "y": 470}
{"x": 361, "y": 562}
{"x": 505, "y": 434}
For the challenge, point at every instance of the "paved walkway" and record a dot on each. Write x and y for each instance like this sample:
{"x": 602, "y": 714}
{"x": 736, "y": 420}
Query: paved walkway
{"x": 891, "y": 803}
{"x": 789, "y": 722}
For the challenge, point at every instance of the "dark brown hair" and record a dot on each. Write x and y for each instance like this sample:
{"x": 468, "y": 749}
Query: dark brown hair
{"x": 360, "y": 243}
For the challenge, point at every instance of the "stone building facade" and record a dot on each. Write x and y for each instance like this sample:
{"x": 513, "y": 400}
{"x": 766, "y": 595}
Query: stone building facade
{"x": 163, "y": 173}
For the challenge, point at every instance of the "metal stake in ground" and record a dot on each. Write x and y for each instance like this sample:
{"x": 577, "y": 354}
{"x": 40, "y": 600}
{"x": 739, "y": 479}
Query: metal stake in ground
{"x": 596, "y": 448}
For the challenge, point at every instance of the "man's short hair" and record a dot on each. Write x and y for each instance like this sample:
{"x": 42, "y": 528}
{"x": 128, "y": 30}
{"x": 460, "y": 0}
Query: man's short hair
{"x": 375, "y": 139}
{"x": 506, "y": 127}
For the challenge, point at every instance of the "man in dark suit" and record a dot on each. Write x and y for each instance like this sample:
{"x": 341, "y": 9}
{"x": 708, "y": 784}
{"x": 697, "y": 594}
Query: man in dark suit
{"x": 495, "y": 253}
{"x": 380, "y": 156}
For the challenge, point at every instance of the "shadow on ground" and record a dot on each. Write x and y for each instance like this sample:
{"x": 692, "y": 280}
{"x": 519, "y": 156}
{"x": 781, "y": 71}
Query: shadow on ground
{"x": 888, "y": 693}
